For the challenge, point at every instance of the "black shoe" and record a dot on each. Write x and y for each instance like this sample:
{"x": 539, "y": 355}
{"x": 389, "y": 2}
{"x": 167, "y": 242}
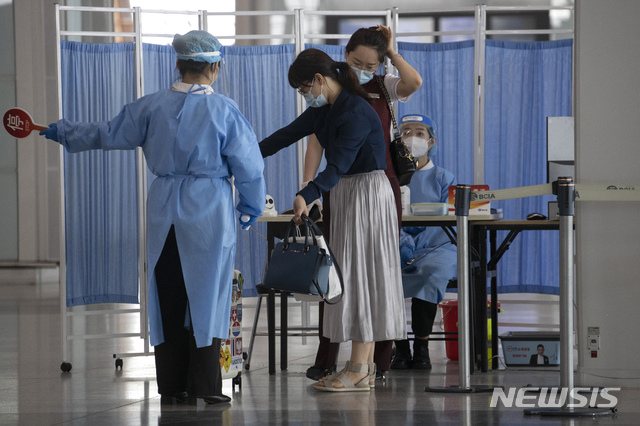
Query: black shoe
{"x": 381, "y": 375}
{"x": 216, "y": 399}
{"x": 421, "y": 358}
{"x": 179, "y": 397}
{"x": 402, "y": 358}
{"x": 317, "y": 373}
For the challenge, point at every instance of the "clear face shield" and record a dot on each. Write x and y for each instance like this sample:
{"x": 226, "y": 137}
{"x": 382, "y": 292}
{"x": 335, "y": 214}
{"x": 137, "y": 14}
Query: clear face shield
{"x": 222, "y": 84}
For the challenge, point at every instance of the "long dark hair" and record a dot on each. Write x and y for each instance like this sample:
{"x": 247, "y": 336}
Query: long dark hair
{"x": 369, "y": 37}
{"x": 313, "y": 61}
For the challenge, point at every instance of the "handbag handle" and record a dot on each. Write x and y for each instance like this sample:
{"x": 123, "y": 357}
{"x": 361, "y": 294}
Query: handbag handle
{"x": 290, "y": 234}
{"x": 380, "y": 79}
{"x": 314, "y": 227}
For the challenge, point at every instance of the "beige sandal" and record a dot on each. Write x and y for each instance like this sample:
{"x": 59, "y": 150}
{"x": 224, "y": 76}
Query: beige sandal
{"x": 333, "y": 375}
{"x": 349, "y": 386}
{"x": 372, "y": 375}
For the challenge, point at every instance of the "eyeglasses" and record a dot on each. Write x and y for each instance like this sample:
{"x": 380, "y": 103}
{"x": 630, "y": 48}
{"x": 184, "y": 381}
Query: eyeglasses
{"x": 301, "y": 89}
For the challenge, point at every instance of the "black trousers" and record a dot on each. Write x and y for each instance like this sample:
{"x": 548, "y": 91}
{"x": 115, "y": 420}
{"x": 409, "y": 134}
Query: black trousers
{"x": 423, "y": 314}
{"x": 180, "y": 365}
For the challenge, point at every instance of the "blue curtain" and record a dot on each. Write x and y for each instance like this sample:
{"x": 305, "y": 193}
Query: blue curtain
{"x": 256, "y": 79}
{"x": 159, "y": 67}
{"x": 100, "y": 187}
{"x": 525, "y": 83}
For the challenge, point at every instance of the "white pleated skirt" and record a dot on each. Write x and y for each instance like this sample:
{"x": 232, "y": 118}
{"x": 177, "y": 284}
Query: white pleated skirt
{"x": 365, "y": 242}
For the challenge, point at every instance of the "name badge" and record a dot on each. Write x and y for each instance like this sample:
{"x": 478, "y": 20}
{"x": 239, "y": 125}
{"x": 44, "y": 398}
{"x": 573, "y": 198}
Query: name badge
{"x": 374, "y": 95}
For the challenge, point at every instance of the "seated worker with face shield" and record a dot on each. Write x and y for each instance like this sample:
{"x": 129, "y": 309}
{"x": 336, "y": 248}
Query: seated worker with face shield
{"x": 427, "y": 256}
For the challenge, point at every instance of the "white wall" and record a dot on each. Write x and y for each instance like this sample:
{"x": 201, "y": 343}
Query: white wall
{"x": 607, "y": 151}
{"x": 38, "y": 178}
{"x": 8, "y": 145}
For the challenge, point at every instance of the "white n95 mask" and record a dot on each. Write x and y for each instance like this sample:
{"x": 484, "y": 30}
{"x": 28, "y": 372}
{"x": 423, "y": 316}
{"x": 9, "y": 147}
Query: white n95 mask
{"x": 416, "y": 145}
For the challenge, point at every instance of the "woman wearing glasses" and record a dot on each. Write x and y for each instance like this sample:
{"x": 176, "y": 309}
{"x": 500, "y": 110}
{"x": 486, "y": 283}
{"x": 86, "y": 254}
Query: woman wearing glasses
{"x": 364, "y": 226}
{"x": 365, "y": 52}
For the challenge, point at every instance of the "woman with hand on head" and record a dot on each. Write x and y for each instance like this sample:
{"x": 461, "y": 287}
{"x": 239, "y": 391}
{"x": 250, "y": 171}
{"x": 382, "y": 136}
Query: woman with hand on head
{"x": 365, "y": 52}
{"x": 364, "y": 226}
{"x": 194, "y": 141}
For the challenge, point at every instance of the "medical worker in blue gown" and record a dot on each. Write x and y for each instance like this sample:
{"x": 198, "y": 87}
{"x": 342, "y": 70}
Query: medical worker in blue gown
{"x": 427, "y": 255}
{"x": 194, "y": 141}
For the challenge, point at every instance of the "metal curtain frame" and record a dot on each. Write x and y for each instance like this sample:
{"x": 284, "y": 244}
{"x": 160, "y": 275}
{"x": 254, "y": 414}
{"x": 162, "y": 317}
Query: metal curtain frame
{"x": 141, "y": 189}
{"x": 480, "y": 33}
{"x": 392, "y": 18}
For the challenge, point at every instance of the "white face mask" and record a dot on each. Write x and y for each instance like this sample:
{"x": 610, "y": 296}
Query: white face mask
{"x": 416, "y": 145}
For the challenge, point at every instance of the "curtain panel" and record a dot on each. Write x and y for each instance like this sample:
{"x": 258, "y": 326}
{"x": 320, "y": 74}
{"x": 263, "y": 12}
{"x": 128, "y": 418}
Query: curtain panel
{"x": 256, "y": 79}
{"x": 101, "y": 224}
{"x": 524, "y": 84}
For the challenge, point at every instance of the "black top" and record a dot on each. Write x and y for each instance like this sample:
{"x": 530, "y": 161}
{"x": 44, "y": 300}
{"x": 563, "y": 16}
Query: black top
{"x": 350, "y": 132}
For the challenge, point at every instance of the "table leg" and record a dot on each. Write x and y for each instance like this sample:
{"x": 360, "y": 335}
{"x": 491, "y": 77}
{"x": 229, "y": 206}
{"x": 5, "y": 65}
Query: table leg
{"x": 271, "y": 308}
{"x": 481, "y": 333}
{"x": 494, "y": 305}
{"x": 271, "y": 326}
{"x": 283, "y": 330}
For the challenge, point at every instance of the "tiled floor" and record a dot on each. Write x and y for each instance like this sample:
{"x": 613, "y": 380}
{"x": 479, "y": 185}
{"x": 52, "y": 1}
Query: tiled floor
{"x": 34, "y": 391}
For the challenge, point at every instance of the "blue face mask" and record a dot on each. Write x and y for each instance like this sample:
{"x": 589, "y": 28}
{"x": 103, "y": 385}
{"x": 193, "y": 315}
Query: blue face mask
{"x": 318, "y": 102}
{"x": 363, "y": 76}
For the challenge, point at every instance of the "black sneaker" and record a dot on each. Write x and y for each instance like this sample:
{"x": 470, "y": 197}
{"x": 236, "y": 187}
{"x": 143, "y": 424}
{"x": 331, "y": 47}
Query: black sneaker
{"x": 402, "y": 358}
{"x": 421, "y": 359}
{"x": 316, "y": 373}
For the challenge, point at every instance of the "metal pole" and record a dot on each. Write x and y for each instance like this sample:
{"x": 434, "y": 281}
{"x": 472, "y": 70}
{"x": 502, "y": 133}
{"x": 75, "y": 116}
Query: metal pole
{"x": 298, "y": 31}
{"x": 566, "y": 204}
{"x": 203, "y": 22}
{"x": 566, "y": 201}
{"x": 463, "y": 199}
{"x": 141, "y": 178}
{"x": 463, "y": 194}
{"x": 66, "y": 365}
{"x": 478, "y": 101}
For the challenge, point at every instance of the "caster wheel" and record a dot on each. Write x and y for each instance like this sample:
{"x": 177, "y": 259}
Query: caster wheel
{"x": 244, "y": 356}
{"x": 246, "y": 366}
{"x": 65, "y": 367}
{"x": 236, "y": 381}
{"x": 119, "y": 363}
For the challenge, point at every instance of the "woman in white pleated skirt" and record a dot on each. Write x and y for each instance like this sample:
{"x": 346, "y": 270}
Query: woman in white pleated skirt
{"x": 364, "y": 240}
{"x": 364, "y": 222}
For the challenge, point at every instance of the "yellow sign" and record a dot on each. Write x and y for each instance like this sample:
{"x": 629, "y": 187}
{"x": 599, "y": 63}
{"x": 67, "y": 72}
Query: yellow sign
{"x": 227, "y": 358}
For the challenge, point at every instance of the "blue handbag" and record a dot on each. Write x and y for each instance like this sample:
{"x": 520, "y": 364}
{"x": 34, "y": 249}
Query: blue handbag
{"x": 301, "y": 267}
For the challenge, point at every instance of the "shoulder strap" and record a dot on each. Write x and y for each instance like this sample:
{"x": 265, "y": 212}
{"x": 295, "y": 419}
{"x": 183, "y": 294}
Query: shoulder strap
{"x": 389, "y": 104}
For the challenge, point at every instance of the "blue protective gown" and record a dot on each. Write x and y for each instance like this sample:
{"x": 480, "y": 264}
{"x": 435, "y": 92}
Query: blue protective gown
{"x": 193, "y": 142}
{"x": 433, "y": 272}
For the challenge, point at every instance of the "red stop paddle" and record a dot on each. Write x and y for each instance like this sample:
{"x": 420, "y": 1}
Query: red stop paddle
{"x": 19, "y": 123}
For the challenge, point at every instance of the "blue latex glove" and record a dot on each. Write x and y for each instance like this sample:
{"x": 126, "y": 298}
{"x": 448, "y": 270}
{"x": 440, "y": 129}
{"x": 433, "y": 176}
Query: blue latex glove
{"x": 247, "y": 220}
{"x": 51, "y": 132}
{"x": 406, "y": 256}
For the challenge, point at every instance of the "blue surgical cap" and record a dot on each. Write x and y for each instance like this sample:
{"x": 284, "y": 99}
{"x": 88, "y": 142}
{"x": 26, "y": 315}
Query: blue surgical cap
{"x": 199, "y": 46}
{"x": 422, "y": 119}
